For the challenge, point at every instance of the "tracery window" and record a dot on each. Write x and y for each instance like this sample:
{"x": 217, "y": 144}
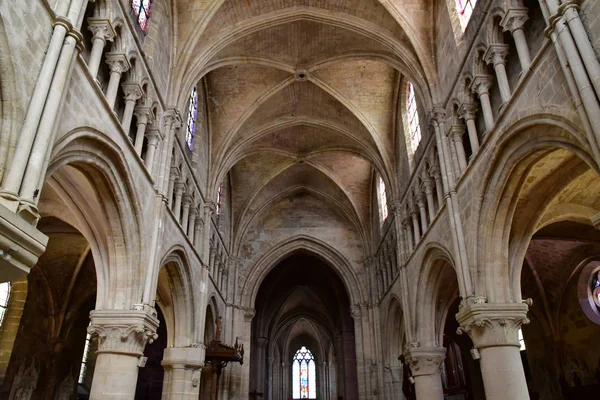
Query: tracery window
{"x": 382, "y": 198}
{"x": 219, "y": 199}
{"x": 4, "y": 296}
{"x": 304, "y": 383}
{"x": 413, "y": 117}
{"x": 465, "y": 9}
{"x": 191, "y": 122}
{"x": 141, "y": 10}
{"x": 85, "y": 358}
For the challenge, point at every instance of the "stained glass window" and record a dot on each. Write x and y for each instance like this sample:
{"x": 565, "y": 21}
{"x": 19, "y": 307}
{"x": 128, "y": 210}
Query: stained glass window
{"x": 4, "y": 296}
{"x": 465, "y": 9}
{"x": 141, "y": 10}
{"x": 84, "y": 359}
{"x": 596, "y": 288}
{"x": 219, "y": 198}
{"x": 521, "y": 340}
{"x": 191, "y": 122}
{"x": 304, "y": 375}
{"x": 413, "y": 117}
{"x": 383, "y": 208}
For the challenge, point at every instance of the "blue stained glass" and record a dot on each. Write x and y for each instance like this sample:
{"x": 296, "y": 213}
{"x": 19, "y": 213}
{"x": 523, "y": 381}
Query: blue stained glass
{"x": 192, "y": 114}
{"x": 135, "y": 6}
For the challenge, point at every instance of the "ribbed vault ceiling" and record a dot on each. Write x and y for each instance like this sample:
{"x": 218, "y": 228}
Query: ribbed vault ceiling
{"x": 302, "y": 99}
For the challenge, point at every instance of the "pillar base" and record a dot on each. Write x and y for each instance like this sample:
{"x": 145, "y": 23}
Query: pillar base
{"x": 21, "y": 244}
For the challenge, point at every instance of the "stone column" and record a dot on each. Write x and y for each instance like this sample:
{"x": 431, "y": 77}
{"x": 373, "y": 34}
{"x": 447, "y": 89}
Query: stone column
{"x": 192, "y": 222}
{"x": 133, "y": 92}
{"x": 421, "y": 204}
{"x": 102, "y": 32}
{"x": 118, "y": 64}
{"x": 494, "y": 330}
{"x": 143, "y": 115}
{"x": 435, "y": 173}
{"x": 513, "y": 21}
{"x": 198, "y": 231}
{"x": 187, "y": 202}
{"x": 183, "y": 369}
{"x": 424, "y": 363}
{"x": 415, "y": 223}
{"x": 481, "y": 85}
{"x": 406, "y": 225}
{"x": 122, "y": 336}
{"x": 179, "y": 188}
{"x": 174, "y": 172}
{"x": 456, "y": 134}
{"x": 153, "y": 139}
{"x": 467, "y": 112}
{"x": 428, "y": 189}
{"x": 496, "y": 55}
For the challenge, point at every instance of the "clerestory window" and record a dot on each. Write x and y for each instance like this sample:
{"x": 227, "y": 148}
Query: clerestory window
{"x": 4, "y": 296}
{"x": 219, "y": 200}
{"x": 414, "y": 126}
{"x": 304, "y": 383}
{"x": 464, "y": 8}
{"x": 85, "y": 359}
{"x": 141, "y": 10}
{"x": 382, "y": 199}
{"x": 191, "y": 121}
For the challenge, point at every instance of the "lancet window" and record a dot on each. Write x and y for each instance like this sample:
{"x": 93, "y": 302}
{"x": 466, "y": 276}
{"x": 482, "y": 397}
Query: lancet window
{"x": 191, "y": 122}
{"x": 304, "y": 383}
{"x": 219, "y": 200}
{"x": 141, "y": 10}
{"x": 382, "y": 198}
{"x": 464, "y": 8}
{"x": 413, "y": 117}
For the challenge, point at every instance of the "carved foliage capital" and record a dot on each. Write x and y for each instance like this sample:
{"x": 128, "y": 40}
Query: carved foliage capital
{"x": 496, "y": 54}
{"x": 132, "y": 91}
{"x": 467, "y": 110}
{"x": 124, "y": 332}
{"x": 491, "y": 325}
{"x": 424, "y": 360}
{"x": 117, "y": 62}
{"x": 514, "y": 19}
{"x": 101, "y": 28}
{"x": 482, "y": 83}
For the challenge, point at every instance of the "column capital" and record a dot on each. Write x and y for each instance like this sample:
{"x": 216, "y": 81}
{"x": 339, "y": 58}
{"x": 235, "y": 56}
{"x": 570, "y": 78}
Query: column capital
{"x": 435, "y": 171}
{"x": 490, "y": 324}
{"x": 144, "y": 114}
{"x": 496, "y": 53}
{"x": 101, "y": 28}
{"x": 424, "y": 360}
{"x": 481, "y": 84}
{"x": 172, "y": 117}
{"x": 456, "y": 132}
{"x": 210, "y": 207}
{"x": 427, "y": 186}
{"x": 154, "y": 135}
{"x": 396, "y": 208}
{"x": 124, "y": 331}
{"x": 514, "y": 19}
{"x": 438, "y": 114}
{"x": 179, "y": 187}
{"x": 117, "y": 62}
{"x": 467, "y": 110}
{"x": 132, "y": 90}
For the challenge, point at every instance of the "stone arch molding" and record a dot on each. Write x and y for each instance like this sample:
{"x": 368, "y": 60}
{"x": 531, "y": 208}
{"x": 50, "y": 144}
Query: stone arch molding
{"x": 178, "y": 266}
{"x": 257, "y": 272}
{"x": 496, "y": 260}
{"x": 114, "y": 230}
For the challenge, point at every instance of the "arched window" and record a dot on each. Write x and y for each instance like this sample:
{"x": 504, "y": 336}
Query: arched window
{"x": 85, "y": 359}
{"x": 413, "y": 117}
{"x": 191, "y": 122}
{"x": 304, "y": 380}
{"x": 219, "y": 199}
{"x": 464, "y": 8}
{"x": 141, "y": 10}
{"x": 382, "y": 200}
{"x": 4, "y": 296}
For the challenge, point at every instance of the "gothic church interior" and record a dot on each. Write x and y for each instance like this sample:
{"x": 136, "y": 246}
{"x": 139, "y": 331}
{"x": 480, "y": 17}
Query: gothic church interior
{"x": 287, "y": 199}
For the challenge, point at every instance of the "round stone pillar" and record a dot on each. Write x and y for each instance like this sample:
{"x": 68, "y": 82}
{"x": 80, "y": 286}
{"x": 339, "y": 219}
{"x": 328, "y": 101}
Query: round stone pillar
{"x": 424, "y": 363}
{"x": 494, "y": 329}
{"x": 183, "y": 368}
{"x": 122, "y": 336}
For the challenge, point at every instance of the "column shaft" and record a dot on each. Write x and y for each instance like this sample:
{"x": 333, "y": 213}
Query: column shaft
{"x": 98, "y": 44}
{"x": 503, "y": 374}
{"x": 113, "y": 87}
{"x": 139, "y": 137}
{"x": 522, "y": 48}
{"x": 429, "y": 387}
{"x": 473, "y": 139}
{"x": 502, "y": 81}
{"x": 486, "y": 108}
{"x": 128, "y": 114}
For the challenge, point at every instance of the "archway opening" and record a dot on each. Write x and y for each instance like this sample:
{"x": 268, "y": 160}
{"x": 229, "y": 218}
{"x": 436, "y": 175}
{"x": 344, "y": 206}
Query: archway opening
{"x": 303, "y": 304}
